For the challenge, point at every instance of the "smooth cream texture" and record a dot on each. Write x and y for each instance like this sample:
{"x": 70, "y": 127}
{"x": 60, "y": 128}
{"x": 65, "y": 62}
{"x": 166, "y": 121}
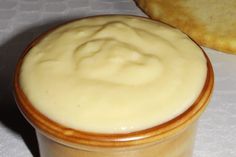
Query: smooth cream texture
{"x": 113, "y": 74}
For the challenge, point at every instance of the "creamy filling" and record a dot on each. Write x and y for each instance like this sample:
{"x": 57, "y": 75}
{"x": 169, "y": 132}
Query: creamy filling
{"x": 113, "y": 74}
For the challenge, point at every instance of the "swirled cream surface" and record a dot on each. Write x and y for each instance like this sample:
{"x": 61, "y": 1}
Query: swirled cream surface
{"x": 113, "y": 74}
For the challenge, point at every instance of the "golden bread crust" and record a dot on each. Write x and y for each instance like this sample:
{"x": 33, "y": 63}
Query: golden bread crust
{"x": 210, "y": 23}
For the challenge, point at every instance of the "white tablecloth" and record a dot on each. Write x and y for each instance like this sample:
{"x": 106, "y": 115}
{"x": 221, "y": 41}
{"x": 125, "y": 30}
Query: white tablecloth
{"x": 22, "y": 20}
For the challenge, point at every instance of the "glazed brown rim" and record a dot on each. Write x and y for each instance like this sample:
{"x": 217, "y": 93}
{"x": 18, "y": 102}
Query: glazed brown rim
{"x": 159, "y": 132}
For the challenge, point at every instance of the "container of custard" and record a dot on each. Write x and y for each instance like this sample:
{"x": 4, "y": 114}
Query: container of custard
{"x": 113, "y": 86}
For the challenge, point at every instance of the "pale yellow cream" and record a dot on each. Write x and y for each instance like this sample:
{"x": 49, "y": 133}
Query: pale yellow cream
{"x": 113, "y": 74}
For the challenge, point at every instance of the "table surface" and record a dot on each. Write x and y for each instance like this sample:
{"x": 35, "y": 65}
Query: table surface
{"x": 23, "y": 20}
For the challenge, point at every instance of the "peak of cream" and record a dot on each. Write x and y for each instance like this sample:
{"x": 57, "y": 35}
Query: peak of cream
{"x": 113, "y": 74}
